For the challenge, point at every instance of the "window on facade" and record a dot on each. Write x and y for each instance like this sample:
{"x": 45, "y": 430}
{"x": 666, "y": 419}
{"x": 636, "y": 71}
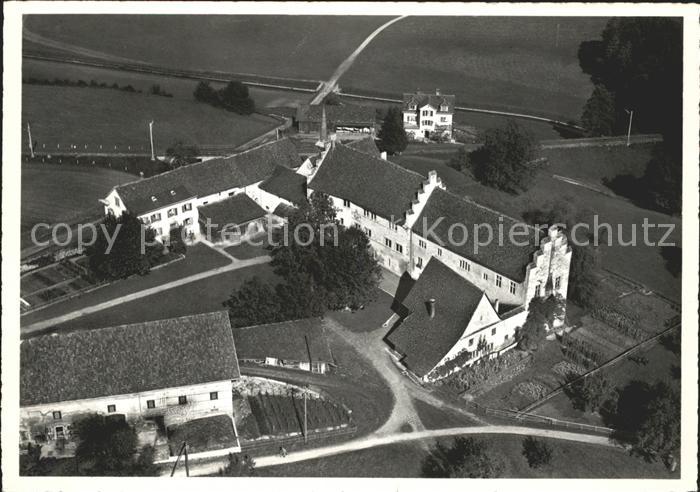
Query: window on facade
{"x": 187, "y": 221}
{"x": 439, "y": 251}
{"x": 346, "y": 203}
{"x": 393, "y": 226}
{"x": 155, "y": 217}
{"x": 412, "y": 106}
{"x": 214, "y": 395}
{"x": 443, "y": 119}
{"x": 428, "y": 122}
{"x": 471, "y": 342}
{"x": 172, "y": 212}
{"x": 443, "y": 108}
{"x": 150, "y": 403}
{"x": 419, "y": 262}
{"x": 368, "y": 231}
{"x": 342, "y": 221}
{"x": 116, "y": 201}
{"x": 499, "y": 280}
{"x": 159, "y": 231}
{"x": 182, "y": 400}
{"x": 493, "y": 331}
{"x": 538, "y": 290}
{"x": 57, "y": 415}
{"x": 111, "y": 408}
{"x": 512, "y": 287}
{"x": 425, "y": 112}
{"x": 486, "y": 276}
{"x": 387, "y": 242}
{"x": 464, "y": 265}
{"x": 187, "y": 207}
{"x": 506, "y": 337}
{"x": 399, "y": 248}
{"x": 557, "y": 283}
{"x": 422, "y": 244}
{"x": 370, "y": 215}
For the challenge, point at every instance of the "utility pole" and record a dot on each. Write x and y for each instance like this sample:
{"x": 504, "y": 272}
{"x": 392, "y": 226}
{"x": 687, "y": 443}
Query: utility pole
{"x": 150, "y": 131}
{"x": 31, "y": 144}
{"x": 629, "y": 128}
{"x": 306, "y": 388}
{"x": 183, "y": 448}
{"x": 187, "y": 466}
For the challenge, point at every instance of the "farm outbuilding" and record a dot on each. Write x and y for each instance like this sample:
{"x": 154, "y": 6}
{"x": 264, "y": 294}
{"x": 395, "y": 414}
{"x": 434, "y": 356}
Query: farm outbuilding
{"x": 299, "y": 344}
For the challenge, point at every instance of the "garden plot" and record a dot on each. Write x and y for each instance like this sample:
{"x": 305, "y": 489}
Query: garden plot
{"x": 53, "y": 282}
{"x": 654, "y": 312}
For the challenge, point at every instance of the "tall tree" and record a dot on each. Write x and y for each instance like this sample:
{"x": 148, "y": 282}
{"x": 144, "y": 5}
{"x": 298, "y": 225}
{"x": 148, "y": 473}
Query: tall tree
{"x": 108, "y": 446}
{"x": 589, "y": 394}
{"x": 204, "y": 92}
{"x": 663, "y": 178}
{"x": 254, "y": 303}
{"x": 542, "y": 312}
{"x": 129, "y": 253}
{"x": 504, "y": 160}
{"x": 599, "y": 113}
{"x": 235, "y": 97}
{"x": 465, "y": 458}
{"x": 640, "y": 60}
{"x": 392, "y": 136}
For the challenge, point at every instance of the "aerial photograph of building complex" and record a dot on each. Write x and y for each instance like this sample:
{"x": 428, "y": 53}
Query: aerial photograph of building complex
{"x": 408, "y": 246}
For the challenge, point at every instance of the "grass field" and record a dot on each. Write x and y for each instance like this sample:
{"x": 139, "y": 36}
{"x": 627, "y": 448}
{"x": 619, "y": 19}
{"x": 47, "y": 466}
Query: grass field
{"x": 308, "y": 47}
{"x": 199, "y": 258}
{"x": 180, "y": 88}
{"x": 527, "y": 64}
{"x": 69, "y": 194}
{"x": 569, "y": 460}
{"x": 620, "y": 213}
{"x": 107, "y": 117}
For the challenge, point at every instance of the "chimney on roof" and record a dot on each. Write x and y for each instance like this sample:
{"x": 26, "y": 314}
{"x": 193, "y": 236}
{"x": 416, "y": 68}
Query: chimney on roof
{"x": 431, "y": 307}
{"x": 496, "y": 305}
{"x": 437, "y": 92}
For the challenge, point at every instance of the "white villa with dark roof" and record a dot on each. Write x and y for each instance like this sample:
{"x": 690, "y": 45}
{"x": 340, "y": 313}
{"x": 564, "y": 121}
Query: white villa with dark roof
{"x": 427, "y": 116}
{"x": 177, "y": 370}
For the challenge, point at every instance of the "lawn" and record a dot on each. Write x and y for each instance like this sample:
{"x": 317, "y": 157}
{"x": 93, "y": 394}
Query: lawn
{"x": 368, "y": 319}
{"x": 569, "y": 460}
{"x": 245, "y": 250}
{"x": 526, "y": 64}
{"x": 180, "y": 88}
{"x": 68, "y": 116}
{"x": 309, "y": 47}
{"x": 662, "y": 365}
{"x": 55, "y": 194}
{"x": 439, "y": 418}
{"x": 198, "y": 259}
{"x": 621, "y": 214}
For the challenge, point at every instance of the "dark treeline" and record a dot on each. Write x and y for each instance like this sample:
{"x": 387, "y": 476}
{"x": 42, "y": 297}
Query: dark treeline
{"x": 155, "y": 89}
{"x": 234, "y": 97}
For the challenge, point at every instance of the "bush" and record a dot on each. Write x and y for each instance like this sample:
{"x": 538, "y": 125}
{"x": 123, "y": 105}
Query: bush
{"x": 537, "y": 452}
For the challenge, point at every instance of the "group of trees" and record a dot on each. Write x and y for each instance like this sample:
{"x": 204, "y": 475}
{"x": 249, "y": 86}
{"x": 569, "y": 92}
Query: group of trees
{"x": 123, "y": 247}
{"x": 322, "y": 266}
{"x": 637, "y": 66}
{"x": 542, "y": 313}
{"x": 155, "y": 89}
{"x": 392, "y": 136}
{"x": 233, "y": 97}
{"x": 107, "y": 446}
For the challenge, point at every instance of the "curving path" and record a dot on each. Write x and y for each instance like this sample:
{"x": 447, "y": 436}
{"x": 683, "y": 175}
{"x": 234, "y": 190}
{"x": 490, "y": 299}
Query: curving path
{"x": 329, "y": 85}
{"x": 372, "y": 441}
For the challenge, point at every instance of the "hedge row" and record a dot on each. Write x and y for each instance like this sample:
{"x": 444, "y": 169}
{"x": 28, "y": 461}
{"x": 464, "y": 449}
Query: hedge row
{"x": 155, "y": 89}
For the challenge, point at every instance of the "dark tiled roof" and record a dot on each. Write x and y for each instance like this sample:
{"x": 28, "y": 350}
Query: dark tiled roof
{"x": 127, "y": 359}
{"x": 238, "y": 209}
{"x": 425, "y": 341}
{"x": 298, "y": 340}
{"x": 338, "y": 115}
{"x": 507, "y": 259}
{"x": 435, "y": 100}
{"x": 366, "y": 145}
{"x": 380, "y": 186}
{"x": 159, "y": 199}
{"x": 212, "y": 176}
{"x": 286, "y": 184}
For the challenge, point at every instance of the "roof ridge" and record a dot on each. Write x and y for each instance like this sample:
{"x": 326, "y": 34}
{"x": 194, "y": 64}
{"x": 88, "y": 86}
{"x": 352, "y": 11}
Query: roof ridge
{"x": 124, "y": 325}
{"x": 200, "y": 163}
{"x": 489, "y": 209}
{"x": 318, "y": 318}
{"x": 396, "y": 166}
